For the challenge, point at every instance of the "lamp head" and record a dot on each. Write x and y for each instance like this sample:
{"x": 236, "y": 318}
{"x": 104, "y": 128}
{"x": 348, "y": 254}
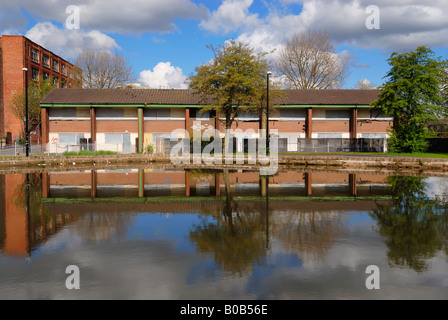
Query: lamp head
{"x": 24, "y": 69}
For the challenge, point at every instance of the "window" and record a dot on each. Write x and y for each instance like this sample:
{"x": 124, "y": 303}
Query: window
{"x": 45, "y": 76}
{"x": 379, "y": 115}
{"x": 46, "y": 61}
{"x": 56, "y": 81}
{"x": 34, "y": 74}
{"x": 110, "y": 114}
{"x": 248, "y": 116}
{"x": 55, "y": 65}
{"x": 70, "y": 138}
{"x": 374, "y": 136}
{"x": 329, "y": 135}
{"x": 63, "y": 69}
{"x": 203, "y": 116}
{"x": 337, "y": 114}
{"x": 157, "y": 114}
{"x": 34, "y": 55}
{"x": 114, "y": 138}
{"x": 63, "y": 84}
{"x": 62, "y": 114}
{"x": 292, "y": 114}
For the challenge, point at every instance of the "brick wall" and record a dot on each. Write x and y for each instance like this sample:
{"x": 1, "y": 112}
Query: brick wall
{"x": 15, "y": 54}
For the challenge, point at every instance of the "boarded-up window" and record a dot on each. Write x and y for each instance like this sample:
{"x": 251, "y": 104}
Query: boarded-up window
{"x": 157, "y": 114}
{"x": 113, "y": 138}
{"x": 109, "y": 114}
{"x": 62, "y": 114}
{"x": 248, "y": 116}
{"x": 337, "y": 114}
{"x": 329, "y": 135}
{"x": 292, "y": 114}
{"x": 70, "y": 138}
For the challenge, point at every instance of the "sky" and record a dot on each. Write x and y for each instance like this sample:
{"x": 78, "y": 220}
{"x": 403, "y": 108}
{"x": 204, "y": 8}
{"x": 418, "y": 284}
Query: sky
{"x": 165, "y": 40}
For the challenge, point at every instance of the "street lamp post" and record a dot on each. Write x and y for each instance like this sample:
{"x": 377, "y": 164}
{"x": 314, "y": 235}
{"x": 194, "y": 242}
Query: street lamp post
{"x": 27, "y": 136}
{"x": 267, "y": 115}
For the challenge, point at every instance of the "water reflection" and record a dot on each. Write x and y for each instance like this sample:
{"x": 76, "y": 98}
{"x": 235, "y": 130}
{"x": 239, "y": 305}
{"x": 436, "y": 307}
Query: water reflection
{"x": 240, "y": 220}
{"x": 414, "y": 226}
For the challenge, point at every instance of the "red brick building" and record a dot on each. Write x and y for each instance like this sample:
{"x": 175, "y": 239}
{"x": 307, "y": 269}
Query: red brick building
{"x": 16, "y": 53}
{"x": 127, "y": 120}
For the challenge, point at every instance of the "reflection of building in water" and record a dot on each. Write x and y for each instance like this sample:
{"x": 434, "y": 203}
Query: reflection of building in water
{"x": 144, "y": 183}
{"x": 304, "y": 228}
{"x": 22, "y": 230}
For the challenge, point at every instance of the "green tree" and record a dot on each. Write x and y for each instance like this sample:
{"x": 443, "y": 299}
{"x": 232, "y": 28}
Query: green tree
{"x": 412, "y": 96}
{"x": 235, "y": 79}
{"x": 37, "y": 90}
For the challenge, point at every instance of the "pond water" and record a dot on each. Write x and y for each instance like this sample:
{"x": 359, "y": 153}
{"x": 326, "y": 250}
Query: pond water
{"x": 176, "y": 235}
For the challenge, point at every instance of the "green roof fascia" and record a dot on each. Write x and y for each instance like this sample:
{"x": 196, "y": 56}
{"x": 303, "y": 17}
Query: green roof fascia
{"x": 57, "y": 105}
{"x": 323, "y": 106}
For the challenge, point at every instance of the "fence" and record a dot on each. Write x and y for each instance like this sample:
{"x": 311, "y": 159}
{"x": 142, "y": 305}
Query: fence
{"x": 19, "y": 150}
{"x": 164, "y": 146}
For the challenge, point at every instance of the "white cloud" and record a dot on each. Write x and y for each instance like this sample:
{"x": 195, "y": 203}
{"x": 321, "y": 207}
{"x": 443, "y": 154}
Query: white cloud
{"x": 404, "y": 24}
{"x": 230, "y": 16}
{"x": 164, "y": 75}
{"x": 69, "y": 43}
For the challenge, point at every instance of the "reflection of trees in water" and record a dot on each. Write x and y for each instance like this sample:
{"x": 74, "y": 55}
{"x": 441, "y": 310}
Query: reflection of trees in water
{"x": 415, "y": 227}
{"x": 94, "y": 227}
{"x": 235, "y": 238}
{"x": 309, "y": 234}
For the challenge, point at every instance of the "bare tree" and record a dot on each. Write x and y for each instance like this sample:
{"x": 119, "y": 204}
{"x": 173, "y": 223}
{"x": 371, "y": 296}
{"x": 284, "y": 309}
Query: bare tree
{"x": 309, "y": 61}
{"x": 103, "y": 70}
{"x": 365, "y": 84}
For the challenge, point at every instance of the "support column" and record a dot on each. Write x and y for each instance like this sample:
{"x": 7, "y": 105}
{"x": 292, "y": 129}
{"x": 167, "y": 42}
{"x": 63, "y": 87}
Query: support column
{"x": 354, "y": 123}
{"x": 93, "y": 126}
{"x": 353, "y": 185}
{"x": 45, "y": 126}
{"x": 45, "y": 185}
{"x": 187, "y": 183}
{"x": 263, "y": 186}
{"x": 93, "y": 184}
{"x": 309, "y": 123}
{"x": 217, "y": 121}
{"x": 187, "y": 120}
{"x": 141, "y": 183}
{"x": 141, "y": 130}
{"x": 308, "y": 184}
{"x": 217, "y": 184}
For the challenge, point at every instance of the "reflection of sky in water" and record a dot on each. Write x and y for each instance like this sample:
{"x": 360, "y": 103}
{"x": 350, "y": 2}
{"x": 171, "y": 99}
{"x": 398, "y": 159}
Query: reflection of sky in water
{"x": 154, "y": 258}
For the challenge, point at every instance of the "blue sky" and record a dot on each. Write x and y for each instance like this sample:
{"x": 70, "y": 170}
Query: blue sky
{"x": 165, "y": 40}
